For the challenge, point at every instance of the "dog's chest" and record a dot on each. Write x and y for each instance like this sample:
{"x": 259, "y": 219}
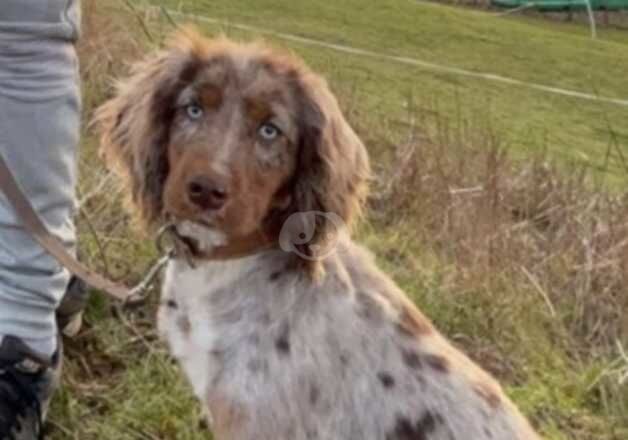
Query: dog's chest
{"x": 187, "y": 316}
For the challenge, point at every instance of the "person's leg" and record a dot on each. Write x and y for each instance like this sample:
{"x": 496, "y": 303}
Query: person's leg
{"x": 39, "y": 128}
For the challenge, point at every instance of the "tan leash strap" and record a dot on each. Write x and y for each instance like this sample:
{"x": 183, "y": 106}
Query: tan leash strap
{"x": 33, "y": 224}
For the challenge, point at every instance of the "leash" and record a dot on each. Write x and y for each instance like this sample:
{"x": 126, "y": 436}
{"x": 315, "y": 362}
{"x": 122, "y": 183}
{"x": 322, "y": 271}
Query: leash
{"x": 33, "y": 224}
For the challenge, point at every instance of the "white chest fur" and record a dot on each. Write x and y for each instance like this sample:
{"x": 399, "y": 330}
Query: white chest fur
{"x": 185, "y": 315}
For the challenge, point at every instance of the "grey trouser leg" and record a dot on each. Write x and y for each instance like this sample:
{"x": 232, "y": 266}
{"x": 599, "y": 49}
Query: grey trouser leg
{"x": 39, "y": 129}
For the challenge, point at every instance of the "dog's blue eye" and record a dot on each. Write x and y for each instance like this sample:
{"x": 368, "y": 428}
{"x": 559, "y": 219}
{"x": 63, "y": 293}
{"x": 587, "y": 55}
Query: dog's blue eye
{"x": 268, "y": 131}
{"x": 194, "y": 111}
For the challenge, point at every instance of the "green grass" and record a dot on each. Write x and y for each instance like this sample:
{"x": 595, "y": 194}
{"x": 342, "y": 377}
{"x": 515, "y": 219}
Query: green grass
{"x": 119, "y": 382}
{"x": 533, "y": 51}
{"x": 122, "y": 387}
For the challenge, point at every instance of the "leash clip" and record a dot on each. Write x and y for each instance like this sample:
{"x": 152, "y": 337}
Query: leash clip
{"x": 138, "y": 293}
{"x": 178, "y": 248}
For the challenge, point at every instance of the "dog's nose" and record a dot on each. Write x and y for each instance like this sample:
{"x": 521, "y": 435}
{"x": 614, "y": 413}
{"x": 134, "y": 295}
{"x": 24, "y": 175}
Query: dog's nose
{"x": 206, "y": 193}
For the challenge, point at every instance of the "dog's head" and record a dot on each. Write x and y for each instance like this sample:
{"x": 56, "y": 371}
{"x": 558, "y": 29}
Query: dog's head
{"x": 228, "y": 140}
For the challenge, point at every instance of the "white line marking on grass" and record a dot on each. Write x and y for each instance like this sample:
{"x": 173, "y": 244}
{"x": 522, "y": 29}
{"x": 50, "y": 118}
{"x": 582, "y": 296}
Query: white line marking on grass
{"x": 405, "y": 60}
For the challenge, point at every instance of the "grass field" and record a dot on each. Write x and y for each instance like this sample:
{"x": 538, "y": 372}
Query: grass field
{"x": 558, "y": 56}
{"x": 492, "y": 206}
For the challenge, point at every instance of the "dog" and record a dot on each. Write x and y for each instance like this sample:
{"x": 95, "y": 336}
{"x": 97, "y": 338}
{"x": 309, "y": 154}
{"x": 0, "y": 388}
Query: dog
{"x": 285, "y": 327}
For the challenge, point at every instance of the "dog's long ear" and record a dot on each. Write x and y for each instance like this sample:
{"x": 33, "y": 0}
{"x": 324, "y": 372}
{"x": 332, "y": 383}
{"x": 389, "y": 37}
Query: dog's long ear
{"x": 333, "y": 166}
{"x": 135, "y": 124}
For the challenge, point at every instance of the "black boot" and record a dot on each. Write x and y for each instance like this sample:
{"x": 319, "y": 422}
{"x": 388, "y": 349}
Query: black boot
{"x": 27, "y": 382}
{"x": 70, "y": 312}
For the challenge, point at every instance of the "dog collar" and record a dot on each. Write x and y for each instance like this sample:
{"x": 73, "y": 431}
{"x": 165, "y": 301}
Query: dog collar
{"x": 186, "y": 248}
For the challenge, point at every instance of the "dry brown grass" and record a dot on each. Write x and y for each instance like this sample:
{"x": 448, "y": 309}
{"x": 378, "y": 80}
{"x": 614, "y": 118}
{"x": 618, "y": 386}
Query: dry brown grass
{"x": 542, "y": 247}
{"x": 540, "y": 225}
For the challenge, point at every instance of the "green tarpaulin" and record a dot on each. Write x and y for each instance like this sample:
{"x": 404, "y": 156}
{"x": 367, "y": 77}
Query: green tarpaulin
{"x": 563, "y": 5}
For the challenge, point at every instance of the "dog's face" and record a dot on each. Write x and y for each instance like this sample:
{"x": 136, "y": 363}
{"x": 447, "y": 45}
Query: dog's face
{"x": 232, "y": 147}
{"x": 228, "y": 140}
